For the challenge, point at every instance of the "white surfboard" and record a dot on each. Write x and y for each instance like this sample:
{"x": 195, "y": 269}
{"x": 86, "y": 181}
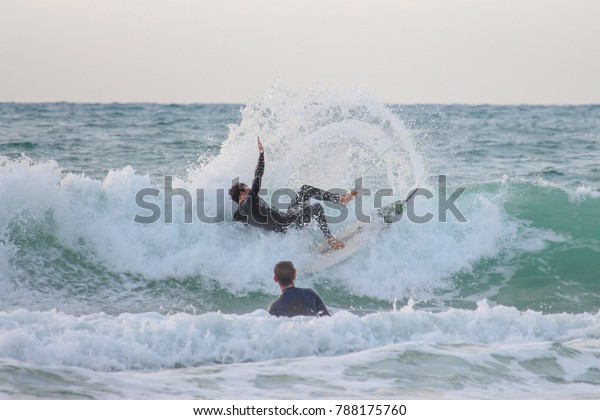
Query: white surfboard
{"x": 352, "y": 236}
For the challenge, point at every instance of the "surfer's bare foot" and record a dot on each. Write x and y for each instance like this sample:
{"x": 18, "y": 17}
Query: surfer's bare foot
{"x": 334, "y": 243}
{"x": 347, "y": 197}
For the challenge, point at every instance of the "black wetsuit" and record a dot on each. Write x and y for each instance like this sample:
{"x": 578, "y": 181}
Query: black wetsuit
{"x": 295, "y": 301}
{"x": 256, "y": 212}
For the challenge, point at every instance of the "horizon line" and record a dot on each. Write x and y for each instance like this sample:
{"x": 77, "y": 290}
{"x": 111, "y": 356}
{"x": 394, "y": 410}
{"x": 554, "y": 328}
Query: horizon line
{"x": 216, "y": 103}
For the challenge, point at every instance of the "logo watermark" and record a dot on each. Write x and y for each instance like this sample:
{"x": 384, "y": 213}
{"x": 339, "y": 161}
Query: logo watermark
{"x": 280, "y": 199}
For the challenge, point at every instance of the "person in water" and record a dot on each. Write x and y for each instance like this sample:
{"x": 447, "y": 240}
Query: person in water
{"x": 254, "y": 211}
{"x": 294, "y": 301}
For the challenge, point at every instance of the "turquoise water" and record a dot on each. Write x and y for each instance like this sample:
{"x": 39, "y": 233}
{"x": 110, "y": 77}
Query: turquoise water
{"x": 95, "y": 305}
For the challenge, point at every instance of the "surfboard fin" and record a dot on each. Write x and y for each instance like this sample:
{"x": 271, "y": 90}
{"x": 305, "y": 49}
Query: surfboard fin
{"x": 392, "y": 212}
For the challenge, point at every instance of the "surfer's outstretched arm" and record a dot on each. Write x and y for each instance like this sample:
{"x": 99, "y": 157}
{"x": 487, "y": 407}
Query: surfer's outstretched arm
{"x": 260, "y": 169}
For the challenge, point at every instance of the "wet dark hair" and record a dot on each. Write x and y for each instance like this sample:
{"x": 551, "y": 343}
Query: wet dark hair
{"x": 234, "y": 191}
{"x": 284, "y": 272}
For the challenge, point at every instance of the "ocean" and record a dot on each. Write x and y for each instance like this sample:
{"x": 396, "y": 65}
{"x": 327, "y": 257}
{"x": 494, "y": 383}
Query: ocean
{"x": 488, "y": 288}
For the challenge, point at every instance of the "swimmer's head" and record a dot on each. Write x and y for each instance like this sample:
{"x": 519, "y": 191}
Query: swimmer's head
{"x": 285, "y": 273}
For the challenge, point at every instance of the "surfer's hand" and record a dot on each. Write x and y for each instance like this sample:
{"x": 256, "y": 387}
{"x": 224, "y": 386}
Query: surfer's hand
{"x": 260, "y": 146}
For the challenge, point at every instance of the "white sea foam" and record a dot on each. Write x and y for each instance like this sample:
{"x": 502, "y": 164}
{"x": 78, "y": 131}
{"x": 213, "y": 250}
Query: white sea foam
{"x": 536, "y": 370}
{"x": 583, "y": 192}
{"x": 151, "y": 340}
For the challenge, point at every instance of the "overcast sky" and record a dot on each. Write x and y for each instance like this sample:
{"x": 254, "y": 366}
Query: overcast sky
{"x": 401, "y": 51}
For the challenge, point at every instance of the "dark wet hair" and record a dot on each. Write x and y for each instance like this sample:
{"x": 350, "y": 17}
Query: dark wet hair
{"x": 234, "y": 191}
{"x": 284, "y": 272}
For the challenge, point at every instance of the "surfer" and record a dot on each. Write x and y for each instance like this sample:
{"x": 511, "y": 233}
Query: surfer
{"x": 294, "y": 301}
{"x": 254, "y": 211}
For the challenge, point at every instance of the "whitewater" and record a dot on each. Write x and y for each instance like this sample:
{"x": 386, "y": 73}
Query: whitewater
{"x": 94, "y": 305}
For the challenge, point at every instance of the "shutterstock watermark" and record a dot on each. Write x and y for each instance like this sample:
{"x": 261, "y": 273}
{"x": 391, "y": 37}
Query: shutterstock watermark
{"x": 152, "y": 212}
